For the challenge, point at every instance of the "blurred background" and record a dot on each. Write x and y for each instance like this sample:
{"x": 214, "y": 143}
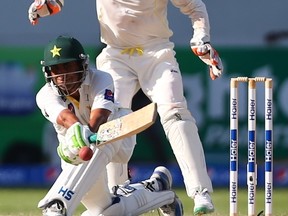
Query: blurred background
{"x": 251, "y": 39}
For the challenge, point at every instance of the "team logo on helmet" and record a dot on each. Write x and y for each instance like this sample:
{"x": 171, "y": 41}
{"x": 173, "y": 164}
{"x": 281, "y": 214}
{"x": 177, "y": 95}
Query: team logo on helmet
{"x": 55, "y": 51}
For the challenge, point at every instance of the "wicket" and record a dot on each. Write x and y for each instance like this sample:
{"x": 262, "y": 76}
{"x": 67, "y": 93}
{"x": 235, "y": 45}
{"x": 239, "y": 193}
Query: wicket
{"x": 252, "y": 165}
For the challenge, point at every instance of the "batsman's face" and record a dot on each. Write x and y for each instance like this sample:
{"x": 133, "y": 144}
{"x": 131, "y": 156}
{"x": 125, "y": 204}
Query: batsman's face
{"x": 68, "y": 77}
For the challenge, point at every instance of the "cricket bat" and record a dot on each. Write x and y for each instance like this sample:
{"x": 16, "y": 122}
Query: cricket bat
{"x": 121, "y": 128}
{"x": 125, "y": 126}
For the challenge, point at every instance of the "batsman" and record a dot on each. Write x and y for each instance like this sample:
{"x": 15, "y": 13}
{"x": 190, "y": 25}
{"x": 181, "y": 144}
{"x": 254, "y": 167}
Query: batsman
{"x": 77, "y": 99}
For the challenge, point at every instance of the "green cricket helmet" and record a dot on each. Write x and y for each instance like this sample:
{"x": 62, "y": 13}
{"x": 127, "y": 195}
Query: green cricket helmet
{"x": 64, "y": 50}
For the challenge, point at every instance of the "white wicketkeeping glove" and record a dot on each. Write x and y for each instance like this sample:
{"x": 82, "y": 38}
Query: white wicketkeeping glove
{"x": 77, "y": 136}
{"x": 210, "y": 57}
{"x": 42, "y": 8}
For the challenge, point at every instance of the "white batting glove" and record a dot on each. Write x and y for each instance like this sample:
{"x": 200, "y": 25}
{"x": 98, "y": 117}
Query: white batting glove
{"x": 210, "y": 57}
{"x": 77, "y": 136}
{"x": 42, "y": 8}
{"x": 68, "y": 156}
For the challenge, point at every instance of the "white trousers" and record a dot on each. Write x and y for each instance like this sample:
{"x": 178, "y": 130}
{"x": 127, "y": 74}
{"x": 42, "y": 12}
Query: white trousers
{"x": 157, "y": 73}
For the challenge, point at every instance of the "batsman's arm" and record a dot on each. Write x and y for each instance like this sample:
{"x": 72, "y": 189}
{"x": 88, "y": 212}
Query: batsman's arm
{"x": 119, "y": 128}
{"x": 125, "y": 126}
{"x": 66, "y": 118}
{"x": 97, "y": 118}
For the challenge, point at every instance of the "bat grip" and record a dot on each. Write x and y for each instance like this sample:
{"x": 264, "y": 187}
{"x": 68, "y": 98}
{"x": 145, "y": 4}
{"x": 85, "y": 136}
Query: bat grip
{"x": 93, "y": 138}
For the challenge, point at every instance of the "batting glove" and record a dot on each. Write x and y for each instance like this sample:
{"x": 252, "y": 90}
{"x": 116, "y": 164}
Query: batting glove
{"x": 210, "y": 57}
{"x": 77, "y": 136}
{"x": 42, "y": 8}
{"x": 68, "y": 156}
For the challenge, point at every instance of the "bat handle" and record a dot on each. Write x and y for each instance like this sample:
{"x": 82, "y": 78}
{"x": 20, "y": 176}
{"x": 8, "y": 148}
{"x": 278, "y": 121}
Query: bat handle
{"x": 93, "y": 138}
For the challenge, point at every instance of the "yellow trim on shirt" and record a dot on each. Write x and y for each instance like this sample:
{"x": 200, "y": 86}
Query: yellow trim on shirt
{"x": 74, "y": 101}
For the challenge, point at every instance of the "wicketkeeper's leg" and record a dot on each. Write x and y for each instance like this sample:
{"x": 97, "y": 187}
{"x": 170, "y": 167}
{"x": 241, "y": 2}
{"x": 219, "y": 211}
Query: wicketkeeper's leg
{"x": 182, "y": 133}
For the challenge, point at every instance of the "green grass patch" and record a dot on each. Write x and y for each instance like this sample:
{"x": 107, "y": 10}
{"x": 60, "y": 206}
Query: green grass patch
{"x": 18, "y": 202}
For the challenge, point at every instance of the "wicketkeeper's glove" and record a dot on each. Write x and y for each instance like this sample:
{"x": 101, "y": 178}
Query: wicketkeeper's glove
{"x": 210, "y": 57}
{"x": 77, "y": 136}
{"x": 42, "y": 8}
